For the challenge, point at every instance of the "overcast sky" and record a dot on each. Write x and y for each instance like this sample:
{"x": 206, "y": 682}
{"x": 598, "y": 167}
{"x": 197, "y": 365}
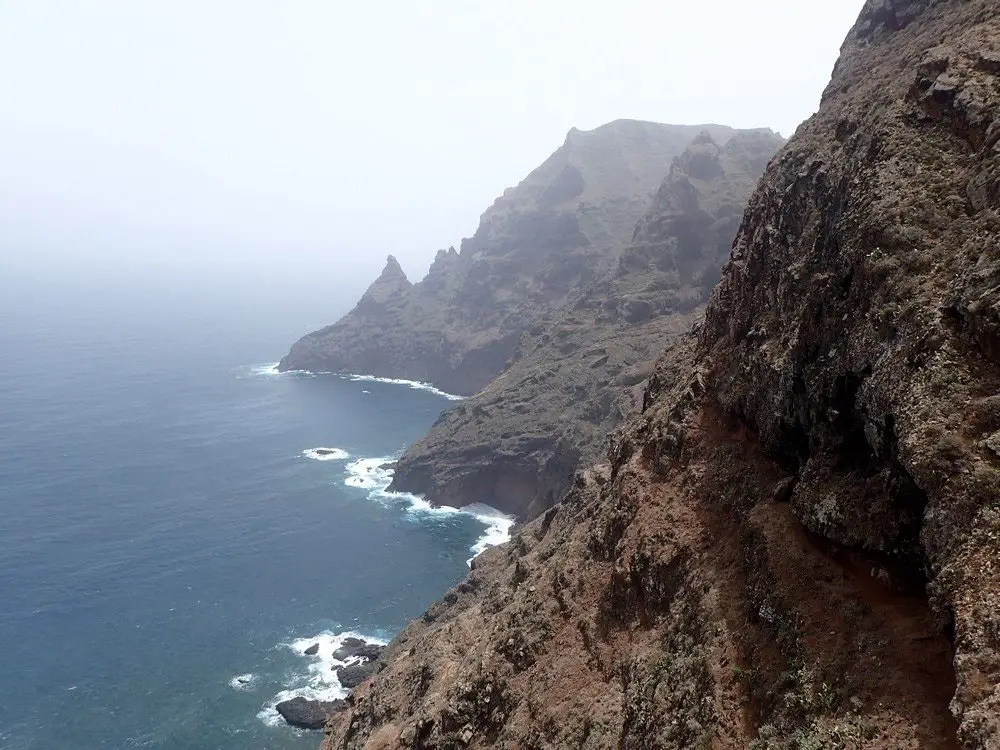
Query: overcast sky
{"x": 322, "y": 134}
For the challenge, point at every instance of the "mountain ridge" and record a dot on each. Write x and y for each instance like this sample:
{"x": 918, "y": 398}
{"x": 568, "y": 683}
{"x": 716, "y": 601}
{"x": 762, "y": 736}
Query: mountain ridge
{"x": 535, "y": 245}
{"x": 577, "y": 373}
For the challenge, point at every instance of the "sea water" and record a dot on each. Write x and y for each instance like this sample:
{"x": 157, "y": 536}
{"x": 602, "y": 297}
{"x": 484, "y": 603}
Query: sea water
{"x": 179, "y": 522}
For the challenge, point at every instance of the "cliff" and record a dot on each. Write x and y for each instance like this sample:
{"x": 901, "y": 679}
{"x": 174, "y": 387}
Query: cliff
{"x": 536, "y": 247}
{"x": 579, "y": 371}
{"x": 795, "y": 544}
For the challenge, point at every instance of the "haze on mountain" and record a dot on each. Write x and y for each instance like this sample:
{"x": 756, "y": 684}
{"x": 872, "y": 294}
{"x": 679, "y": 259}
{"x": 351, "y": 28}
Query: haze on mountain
{"x": 296, "y": 145}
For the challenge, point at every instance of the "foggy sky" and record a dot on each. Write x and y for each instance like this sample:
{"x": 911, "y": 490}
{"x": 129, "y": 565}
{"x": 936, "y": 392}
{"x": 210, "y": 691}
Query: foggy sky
{"x": 320, "y": 135}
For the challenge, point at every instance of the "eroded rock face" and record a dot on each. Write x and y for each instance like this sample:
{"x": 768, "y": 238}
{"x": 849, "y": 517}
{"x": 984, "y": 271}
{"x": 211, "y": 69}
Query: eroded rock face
{"x": 536, "y": 247}
{"x": 796, "y": 543}
{"x": 579, "y": 371}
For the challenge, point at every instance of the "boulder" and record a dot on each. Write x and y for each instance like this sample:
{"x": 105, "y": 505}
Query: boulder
{"x": 312, "y": 650}
{"x": 308, "y": 714}
{"x": 353, "y": 675}
{"x": 355, "y": 648}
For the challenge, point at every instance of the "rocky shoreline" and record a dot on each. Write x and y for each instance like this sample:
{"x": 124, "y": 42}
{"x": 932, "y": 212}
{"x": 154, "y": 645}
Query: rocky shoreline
{"x": 360, "y": 661}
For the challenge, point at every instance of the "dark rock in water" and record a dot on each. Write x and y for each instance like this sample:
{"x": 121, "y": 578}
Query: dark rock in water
{"x": 369, "y": 652}
{"x": 324, "y": 452}
{"x": 312, "y": 650}
{"x": 355, "y": 648}
{"x": 353, "y": 675}
{"x": 347, "y": 648}
{"x": 308, "y": 714}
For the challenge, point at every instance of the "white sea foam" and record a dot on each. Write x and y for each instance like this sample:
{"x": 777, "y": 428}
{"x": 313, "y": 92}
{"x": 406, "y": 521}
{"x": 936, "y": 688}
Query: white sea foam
{"x": 326, "y": 454}
{"x": 498, "y": 526}
{"x": 415, "y": 384}
{"x": 271, "y": 369}
{"x": 318, "y": 680}
{"x": 243, "y": 681}
{"x": 370, "y": 474}
{"x": 375, "y": 475}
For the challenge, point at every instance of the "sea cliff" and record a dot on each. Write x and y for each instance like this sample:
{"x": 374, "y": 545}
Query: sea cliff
{"x": 794, "y": 543}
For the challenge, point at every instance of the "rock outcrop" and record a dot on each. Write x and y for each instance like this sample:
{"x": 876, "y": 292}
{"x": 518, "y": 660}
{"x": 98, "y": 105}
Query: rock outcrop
{"x": 354, "y": 674}
{"x": 308, "y": 714}
{"x": 796, "y": 543}
{"x": 357, "y": 648}
{"x": 536, "y": 247}
{"x": 579, "y": 371}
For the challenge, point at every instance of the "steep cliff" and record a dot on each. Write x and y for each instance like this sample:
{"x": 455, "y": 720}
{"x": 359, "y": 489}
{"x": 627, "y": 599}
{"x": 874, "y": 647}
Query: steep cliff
{"x": 578, "y": 372}
{"x": 796, "y": 544}
{"x": 536, "y": 247}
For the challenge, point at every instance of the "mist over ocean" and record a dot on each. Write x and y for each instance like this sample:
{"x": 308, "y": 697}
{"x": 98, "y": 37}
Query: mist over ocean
{"x": 168, "y": 545}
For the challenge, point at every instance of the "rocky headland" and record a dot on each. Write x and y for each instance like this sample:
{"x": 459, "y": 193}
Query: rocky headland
{"x": 795, "y": 542}
{"x": 579, "y": 371}
{"x": 536, "y": 248}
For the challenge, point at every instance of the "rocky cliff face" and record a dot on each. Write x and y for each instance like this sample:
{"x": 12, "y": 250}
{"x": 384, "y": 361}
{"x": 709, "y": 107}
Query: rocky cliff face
{"x": 796, "y": 544}
{"x": 579, "y": 371}
{"x": 536, "y": 247}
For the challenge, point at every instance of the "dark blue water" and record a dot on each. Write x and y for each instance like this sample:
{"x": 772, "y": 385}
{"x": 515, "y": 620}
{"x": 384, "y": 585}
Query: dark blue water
{"x": 162, "y": 533}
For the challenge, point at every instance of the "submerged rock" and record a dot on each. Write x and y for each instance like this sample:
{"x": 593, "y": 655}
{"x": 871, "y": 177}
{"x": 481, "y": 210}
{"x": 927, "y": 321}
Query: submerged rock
{"x": 308, "y": 714}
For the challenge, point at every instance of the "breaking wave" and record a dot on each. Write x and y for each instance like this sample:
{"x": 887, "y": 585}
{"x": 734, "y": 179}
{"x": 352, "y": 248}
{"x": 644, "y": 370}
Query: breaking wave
{"x": 326, "y": 454}
{"x": 271, "y": 370}
{"x": 318, "y": 680}
{"x": 375, "y": 475}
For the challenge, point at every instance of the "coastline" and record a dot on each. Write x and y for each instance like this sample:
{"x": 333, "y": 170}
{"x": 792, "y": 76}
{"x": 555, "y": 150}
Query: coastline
{"x": 372, "y": 475}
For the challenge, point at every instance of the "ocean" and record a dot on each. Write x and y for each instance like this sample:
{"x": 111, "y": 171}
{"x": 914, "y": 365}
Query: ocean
{"x": 170, "y": 541}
